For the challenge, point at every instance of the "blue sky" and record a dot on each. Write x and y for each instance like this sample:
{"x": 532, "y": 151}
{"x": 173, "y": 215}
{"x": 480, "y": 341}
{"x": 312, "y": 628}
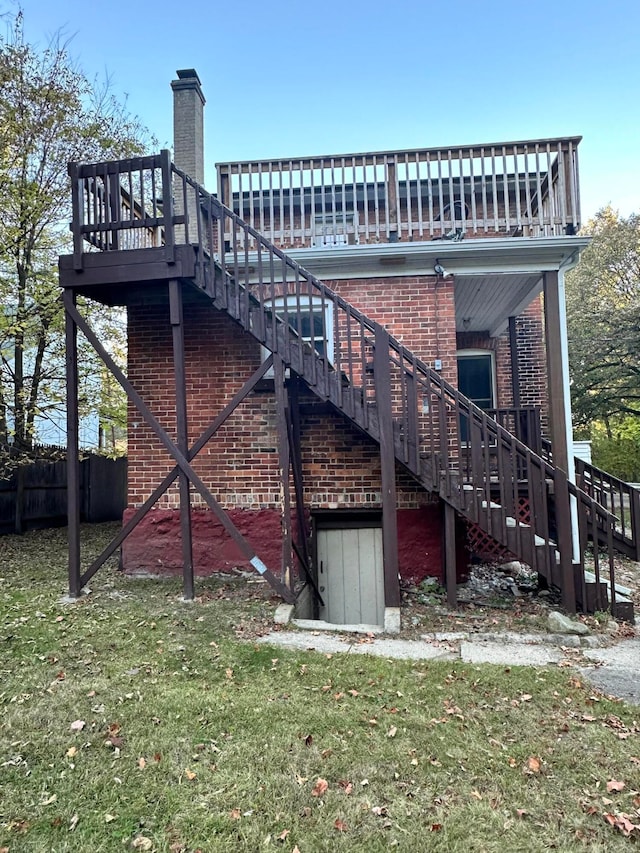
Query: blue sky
{"x": 287, "y": 78}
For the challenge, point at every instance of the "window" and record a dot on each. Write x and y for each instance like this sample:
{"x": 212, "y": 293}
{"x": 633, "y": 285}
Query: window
{"x": 334, "y": 228}
{"x": 476, "y": 380}
{"x": 312, "y": 319}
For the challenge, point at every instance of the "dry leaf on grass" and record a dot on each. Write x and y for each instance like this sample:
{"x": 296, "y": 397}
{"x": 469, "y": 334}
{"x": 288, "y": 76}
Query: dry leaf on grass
{"x": 533, "y": 764}
{"x": 614, "y": 785}
{"x": 319, "y": 788}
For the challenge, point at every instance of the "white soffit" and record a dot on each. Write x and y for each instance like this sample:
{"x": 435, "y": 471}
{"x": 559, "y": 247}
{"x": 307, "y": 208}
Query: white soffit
{"x": 484, "y": 303}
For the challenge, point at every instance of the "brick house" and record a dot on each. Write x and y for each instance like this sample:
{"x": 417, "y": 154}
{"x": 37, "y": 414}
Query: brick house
{"x": 340, "y": 325}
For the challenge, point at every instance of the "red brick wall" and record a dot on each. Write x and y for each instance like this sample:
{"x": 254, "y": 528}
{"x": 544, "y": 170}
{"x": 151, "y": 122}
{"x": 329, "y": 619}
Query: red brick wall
{"x": 341, "y": 465}
{"x": 532, "y": 359}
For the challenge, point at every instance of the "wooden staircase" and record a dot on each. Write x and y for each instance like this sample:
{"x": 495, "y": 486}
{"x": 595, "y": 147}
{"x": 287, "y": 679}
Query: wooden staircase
{"x": 371, "y": 379}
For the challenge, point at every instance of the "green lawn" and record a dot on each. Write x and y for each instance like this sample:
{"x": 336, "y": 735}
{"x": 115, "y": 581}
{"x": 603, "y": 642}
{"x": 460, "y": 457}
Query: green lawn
{"x": 131, "y": 720}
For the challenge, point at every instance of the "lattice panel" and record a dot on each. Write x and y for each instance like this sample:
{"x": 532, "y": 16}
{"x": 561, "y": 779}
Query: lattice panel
{"x": 484, "y": 547}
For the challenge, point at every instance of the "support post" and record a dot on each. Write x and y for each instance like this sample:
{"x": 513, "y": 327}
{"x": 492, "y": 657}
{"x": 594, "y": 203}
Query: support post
{"x": 382, "y": 378}
{"x": 284, "y": 458}
{"x": 557, "y": 368}
{"x": 555, "y": 371}
{"x": 182, "y": 433}
{"x": 450, "y": 554}
{"x": 73, "y": 462}
{"x": 515, "y": 366}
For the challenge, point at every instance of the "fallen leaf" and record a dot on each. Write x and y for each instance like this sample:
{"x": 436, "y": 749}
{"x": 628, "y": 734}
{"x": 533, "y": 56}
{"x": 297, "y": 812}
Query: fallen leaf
{"x": 283, "y": 834}
{"x": 521, "y": 812}
{"x": 319, "y": 788}
{"x": 228, "y": 672}
{"x": 190, "y": 775}
{"x": 108, "y": 818}
{"x": 141, "y": 842}
{"x": 436, "y": 827}
{"x": 346, "y": 786}
{"x": 340, "y": 825}
{"x": 73, "y": 822}
{"x": 308, "y": 740}
{"x": 142, "y": 763}
{"x": 71, "y": 751}
{"x": 77, "y": 725}
{"x": 381, "y": 811}
{"x": 235, "y": 814}
{"x": 392, "y": 731}
{"x": 614, "y": 785}
{"x": 533, "y": 764}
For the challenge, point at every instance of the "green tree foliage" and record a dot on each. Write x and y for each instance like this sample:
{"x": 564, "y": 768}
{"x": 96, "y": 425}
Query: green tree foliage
{"x": 50, "y": 114}
{"x": 603, "y": 316}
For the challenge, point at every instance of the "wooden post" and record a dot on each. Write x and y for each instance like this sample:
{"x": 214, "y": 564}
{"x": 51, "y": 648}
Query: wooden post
{"x": 182, "y": 434}
{"x": 558, "y": 418}
{"x": 284, "y": 466}
{"x": 73, "y": 463}
{"x": 296, "y": 465}
{"x": 555, "y": 374}
{"x": 382, "y": 380}
{"x": 515, "y": 366}
{"x": 393, "y": 228}
{"x": 450, "y": 554}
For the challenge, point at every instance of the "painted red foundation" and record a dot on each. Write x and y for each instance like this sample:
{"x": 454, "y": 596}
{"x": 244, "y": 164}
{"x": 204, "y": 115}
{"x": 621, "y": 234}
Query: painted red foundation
{"x": 155, "y": 545}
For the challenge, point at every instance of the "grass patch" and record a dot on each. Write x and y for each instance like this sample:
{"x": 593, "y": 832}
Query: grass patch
{"x": 131, "y": 720}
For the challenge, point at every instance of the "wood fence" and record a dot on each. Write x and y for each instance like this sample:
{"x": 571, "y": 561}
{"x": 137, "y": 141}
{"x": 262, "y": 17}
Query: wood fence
{"x": 34, "y": 496}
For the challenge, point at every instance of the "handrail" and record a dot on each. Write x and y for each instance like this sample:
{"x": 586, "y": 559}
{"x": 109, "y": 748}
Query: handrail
{"x": 491, "y": 476}
{"x": 527, "y": 187}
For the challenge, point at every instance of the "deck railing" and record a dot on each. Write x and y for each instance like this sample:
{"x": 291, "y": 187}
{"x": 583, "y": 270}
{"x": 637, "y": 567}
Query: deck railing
{"x": 620, "y": 498}
{"x": 365, "y": 372}
{"x": 528, "y": 188}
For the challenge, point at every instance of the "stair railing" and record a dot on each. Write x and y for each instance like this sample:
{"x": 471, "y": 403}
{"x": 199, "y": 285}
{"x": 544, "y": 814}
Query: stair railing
{"x": 447, "y": 442}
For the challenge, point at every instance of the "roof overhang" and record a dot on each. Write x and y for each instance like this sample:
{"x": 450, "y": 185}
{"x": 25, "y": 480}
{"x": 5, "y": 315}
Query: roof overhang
{"x": 484, "y": 256}
{"x": 494, "y": 278}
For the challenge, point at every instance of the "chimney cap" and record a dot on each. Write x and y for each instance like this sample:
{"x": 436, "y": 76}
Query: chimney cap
{"x": 188, "y": 74}
{"x": 188, "y": 80}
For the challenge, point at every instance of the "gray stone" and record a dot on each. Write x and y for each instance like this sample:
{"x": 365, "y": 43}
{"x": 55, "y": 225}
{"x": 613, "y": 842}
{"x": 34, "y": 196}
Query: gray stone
{"x": 509, "y": 654}
{"x": 612, "y": 627}
{"x": 560, "y": 624}
{"x": 618, "y": 670}
{"x": 591, "y": 642}
{"x": 283, "y": 614}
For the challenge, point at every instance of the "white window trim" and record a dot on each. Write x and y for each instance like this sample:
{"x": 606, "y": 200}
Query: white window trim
{"x": 315, "y": 302}
{"x": 473, "y": 352}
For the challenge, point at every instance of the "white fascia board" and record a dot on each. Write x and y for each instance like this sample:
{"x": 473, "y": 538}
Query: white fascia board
{"x": 470, "y": 257}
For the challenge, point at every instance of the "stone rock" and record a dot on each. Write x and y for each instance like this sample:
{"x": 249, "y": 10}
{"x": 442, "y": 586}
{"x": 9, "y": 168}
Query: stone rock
{"x": 558, "y": 623}
{"x": 612, "y": 627}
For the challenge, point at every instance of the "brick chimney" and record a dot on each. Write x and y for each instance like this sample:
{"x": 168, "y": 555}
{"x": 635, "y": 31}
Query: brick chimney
{"x": 188, "y": 125}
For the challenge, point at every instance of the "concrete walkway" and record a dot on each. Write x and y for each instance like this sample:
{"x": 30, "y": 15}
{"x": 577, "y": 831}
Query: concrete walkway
{"x": 614, "y": 670}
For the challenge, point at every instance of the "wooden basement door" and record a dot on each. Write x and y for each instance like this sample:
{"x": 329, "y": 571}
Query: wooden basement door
{"x": 351, "y": 575}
